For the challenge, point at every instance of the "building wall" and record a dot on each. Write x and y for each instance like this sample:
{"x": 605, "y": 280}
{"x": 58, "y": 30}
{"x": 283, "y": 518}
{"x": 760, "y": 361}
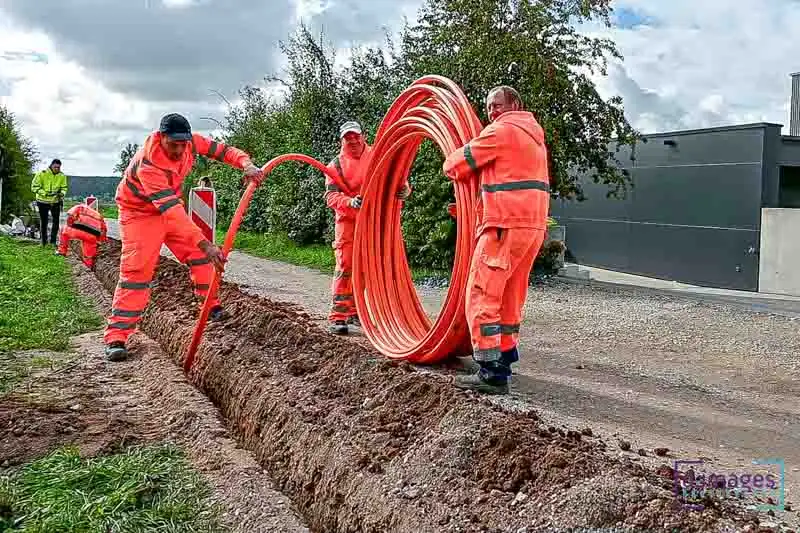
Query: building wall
{"x": 100, "y": 186}
{"x": 780, "y": 252}
{"x": 693, "y": 215}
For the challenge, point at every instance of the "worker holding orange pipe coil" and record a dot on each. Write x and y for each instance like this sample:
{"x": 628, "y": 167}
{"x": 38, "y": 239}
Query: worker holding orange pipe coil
{"x": 350, "y": 165}
{"x": 152, "y": 214}
{"x": 86, "y": 225}
{"x": 509, "y": 157}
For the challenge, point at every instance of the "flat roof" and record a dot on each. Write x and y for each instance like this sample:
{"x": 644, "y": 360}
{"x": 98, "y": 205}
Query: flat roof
{"x": 733, "y": 127}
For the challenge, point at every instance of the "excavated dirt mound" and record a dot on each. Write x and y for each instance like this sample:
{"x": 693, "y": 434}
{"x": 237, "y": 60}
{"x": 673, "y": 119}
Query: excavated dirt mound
{"x": 361, "y": 443}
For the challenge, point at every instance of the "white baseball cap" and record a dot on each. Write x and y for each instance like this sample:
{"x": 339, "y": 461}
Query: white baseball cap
{"x": 348, "y": 127}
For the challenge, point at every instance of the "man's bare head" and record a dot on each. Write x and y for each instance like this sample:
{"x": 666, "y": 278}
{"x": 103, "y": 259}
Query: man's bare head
{"x": 502, "y": 99}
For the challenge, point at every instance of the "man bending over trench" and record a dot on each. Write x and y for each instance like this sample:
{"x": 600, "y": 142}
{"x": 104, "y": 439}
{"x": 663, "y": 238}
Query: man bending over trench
{"x": 151, "y": 213}
{"x": 509, "y": 157}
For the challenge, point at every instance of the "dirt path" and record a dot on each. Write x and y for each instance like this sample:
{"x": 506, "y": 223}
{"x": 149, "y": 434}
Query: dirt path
{"x": 705, "y": 380}
{"x": 101, "y": 407}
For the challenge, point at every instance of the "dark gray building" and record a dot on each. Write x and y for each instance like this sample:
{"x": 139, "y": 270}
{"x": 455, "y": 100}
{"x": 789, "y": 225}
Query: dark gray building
{"x": 694, "y": 213}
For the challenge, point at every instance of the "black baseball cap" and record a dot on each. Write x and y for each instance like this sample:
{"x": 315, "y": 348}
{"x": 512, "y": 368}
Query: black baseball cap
{"x": 176, "y": 127}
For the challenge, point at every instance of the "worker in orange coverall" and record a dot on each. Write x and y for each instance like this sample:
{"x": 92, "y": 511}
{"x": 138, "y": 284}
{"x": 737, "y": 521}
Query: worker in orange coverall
{"x": 509, "y": 158}
{"x": 351, "y": 165}
{"x": 152, "y": 213}
{"x": 86, "y": 225}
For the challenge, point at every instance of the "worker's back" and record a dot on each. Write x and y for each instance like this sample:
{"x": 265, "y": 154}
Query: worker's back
{"x": 515, "y": 185}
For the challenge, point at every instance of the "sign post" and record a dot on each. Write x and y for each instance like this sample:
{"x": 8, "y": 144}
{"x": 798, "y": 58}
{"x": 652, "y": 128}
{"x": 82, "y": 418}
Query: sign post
{"x": 92, "y": 202}
{"x": 203, "y": 211}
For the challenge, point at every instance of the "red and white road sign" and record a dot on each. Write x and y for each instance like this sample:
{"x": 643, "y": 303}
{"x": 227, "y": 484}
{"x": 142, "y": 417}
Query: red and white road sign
{"x": 203, "y": 211}
{"x": 92, "y": 202}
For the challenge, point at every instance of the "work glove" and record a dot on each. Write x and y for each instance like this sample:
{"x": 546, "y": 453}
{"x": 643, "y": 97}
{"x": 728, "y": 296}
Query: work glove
{"x": 214, "y": 254}
{"x": 252, "y": 173}
{"x": 355, "y": 203}
{"x": 404, "y": 193}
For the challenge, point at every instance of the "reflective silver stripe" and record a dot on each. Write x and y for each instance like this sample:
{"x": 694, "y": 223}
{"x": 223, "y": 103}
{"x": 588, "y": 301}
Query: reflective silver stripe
{"x": 201, "y": 287}
{"x": 221, "y": 156}
{"x": 492, "y": 354}
{"x": 121, "y": 325}
{"x": 332, "y": 188}
{"x": 509, "y": 329}
{"x": 136, "y": 191}
{"x": 338, "y": 165}
{"x": 134, "y": 285}
{"x": 340, "y": 309}
{"x": 212, "y": 150}
{"x": 342, "y": 297}
{"x": 160, "y": 195}
{"x": 489, "y": 330}
{"x": 338, "y": 274}
{"x": 517, "y": 186}
{"x": 163, "y": 208}
{"x": 468, "y": 157}
{"x": 126, "y": 314}
{"x": 198, "y": 262}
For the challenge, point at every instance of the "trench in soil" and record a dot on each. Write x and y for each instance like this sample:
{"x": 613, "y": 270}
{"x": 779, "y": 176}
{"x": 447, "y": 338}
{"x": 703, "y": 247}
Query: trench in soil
{"x": 361, "y": 443}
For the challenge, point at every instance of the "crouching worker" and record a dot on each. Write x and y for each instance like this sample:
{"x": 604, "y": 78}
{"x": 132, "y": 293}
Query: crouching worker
{"x": 152, "y": 213}
{"x": 86, "y": 225}
{"x": 509, "y": 158}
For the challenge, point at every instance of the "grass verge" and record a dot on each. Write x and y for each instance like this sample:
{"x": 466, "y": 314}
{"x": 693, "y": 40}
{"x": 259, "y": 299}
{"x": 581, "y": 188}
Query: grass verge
{"x": 317, "y": 256}
{"x": 39, "y": 307}
{"x": 142, "y": 489}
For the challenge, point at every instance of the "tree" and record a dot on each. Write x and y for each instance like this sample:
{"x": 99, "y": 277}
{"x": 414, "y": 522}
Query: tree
{"x": 17, "y": 157}
{"x": 125, "y": 157}
{"x": 534, "y": 47}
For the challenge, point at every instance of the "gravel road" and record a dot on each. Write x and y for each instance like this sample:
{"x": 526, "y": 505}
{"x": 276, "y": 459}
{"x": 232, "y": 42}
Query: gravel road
{"x": 706, "y": 380}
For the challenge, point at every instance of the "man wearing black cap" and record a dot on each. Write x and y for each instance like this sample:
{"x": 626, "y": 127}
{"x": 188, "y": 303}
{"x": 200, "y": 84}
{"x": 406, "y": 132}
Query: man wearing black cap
{"x": 151, "y": 213}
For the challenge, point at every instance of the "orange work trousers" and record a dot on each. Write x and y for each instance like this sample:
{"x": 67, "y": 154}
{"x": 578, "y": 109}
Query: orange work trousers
{"x": 343, "y": 306}
{"x": 88, "y": 244}
{"x": 142, "y": 236}
{"x": 496, "y": 291}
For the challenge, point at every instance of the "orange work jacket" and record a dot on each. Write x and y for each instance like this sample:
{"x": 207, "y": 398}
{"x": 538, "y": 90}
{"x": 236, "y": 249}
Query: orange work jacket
{"x": 152, "y": 183}
{"x": 84, "y": 218}
{"x": 510, "y": 159}
{"x": 352, "y": 172}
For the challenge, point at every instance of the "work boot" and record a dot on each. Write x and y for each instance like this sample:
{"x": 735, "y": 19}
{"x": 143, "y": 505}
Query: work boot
{"x": 217, "y": 313}
{"x": 475, "y": 382}
{"x": 511, "y": 359}
{"x": 338, "y": 328}
{"x": 354, "y": 321}
{"x": 116, "y": 351}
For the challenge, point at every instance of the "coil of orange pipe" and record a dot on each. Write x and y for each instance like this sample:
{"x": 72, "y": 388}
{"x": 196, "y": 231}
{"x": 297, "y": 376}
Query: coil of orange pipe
{"x": 434, "y": 108}
{"x": 389, "y": 309}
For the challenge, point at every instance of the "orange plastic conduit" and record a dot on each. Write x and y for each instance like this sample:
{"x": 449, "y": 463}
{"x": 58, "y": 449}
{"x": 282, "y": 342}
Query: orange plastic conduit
{"x": 230, "y": 236}
{"x": 391, "y": 314}
{"x": 388, "y": 306}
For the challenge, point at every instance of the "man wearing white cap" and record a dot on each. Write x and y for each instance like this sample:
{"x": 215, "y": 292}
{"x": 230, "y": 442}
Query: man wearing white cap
{"x": 351, "y": 165}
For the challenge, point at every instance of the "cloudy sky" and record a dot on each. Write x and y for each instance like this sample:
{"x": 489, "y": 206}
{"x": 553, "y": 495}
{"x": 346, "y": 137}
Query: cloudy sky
{"x": 85, "y": 77}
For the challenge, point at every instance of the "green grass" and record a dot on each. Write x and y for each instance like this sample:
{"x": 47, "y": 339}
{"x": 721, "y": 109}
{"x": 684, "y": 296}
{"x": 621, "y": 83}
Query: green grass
{"x": 39, "y": 307}
{"x": 318, "y": 256}
{"x": 147, "y": 489}
{"x": 107, "y": 210}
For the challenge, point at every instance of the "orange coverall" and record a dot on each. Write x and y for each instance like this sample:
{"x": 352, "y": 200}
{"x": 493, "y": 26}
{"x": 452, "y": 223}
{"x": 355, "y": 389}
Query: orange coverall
{"x": 86, "y": 225}
{"x": 152, "y": 213}
{"x": 510, "y": 157}
{"x": 352, "y": 171}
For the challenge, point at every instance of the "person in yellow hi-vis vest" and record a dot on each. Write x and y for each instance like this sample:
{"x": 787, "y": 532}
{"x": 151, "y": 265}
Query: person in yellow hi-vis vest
{"x": 50, "y": 187}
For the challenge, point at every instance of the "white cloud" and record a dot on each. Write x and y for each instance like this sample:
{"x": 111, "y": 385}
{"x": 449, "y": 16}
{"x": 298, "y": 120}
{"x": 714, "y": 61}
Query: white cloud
{"x": 705, "y": 63}
{"x": 688, "y": 64}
